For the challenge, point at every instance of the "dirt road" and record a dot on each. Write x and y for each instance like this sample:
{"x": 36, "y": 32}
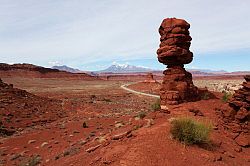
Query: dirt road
{"x": 136, "y": 92}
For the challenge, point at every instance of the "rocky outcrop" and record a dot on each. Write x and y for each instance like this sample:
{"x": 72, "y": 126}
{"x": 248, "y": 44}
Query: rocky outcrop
{"x": 20, "y": 109}
{"x": 241, "y": 100}
{"x": 33, "y": 71}
{"x": 150, "y": 78}
{"x": 177, "y": 85}
{"x": 235, "y": 117}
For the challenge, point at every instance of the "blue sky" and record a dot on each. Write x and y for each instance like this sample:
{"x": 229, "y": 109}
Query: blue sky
{"x": 93, "y": 34}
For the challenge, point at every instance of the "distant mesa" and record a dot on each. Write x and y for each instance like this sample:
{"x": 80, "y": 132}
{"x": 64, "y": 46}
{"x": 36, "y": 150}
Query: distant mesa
{"x": 33, "y": 71}
{"x": 177, "y": 85}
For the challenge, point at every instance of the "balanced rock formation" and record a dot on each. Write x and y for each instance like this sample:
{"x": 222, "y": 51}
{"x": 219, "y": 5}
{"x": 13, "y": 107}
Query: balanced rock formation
{"x": 150, "y": 78}
{"x": 174, "y": 52}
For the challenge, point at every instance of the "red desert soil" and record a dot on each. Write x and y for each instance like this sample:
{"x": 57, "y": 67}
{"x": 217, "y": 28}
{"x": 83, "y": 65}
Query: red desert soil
{"x": 20, "y": 109}
{"x": 146, "y": 87}
{"x": 114, "y": 135}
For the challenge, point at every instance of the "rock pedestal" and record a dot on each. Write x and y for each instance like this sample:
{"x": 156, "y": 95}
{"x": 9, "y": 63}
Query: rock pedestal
{"x": 177, "y": 85}
{"x": 150, "y": 78}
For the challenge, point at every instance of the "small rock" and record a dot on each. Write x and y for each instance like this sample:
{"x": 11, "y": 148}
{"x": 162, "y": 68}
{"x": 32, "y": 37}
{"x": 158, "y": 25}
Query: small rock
{"x": 243, "y": 140}
{"x": 44, "y": 144}
{"x": 238, "y": 149}
{"x": 137, "y": 118}
{"x": 121, "y": 135}
{"x": 101, "y": 139}
{"x": 76, "y": 132}
{"x": 230, "y": 155}
{"x": 31, "y": 141}
{"x": 215, "y": 128}
{"x": 118, "y": 125}
{"x": 82, "y": 142}
{"x": 218, "y": 158}
{"x": 150, "y": 122}
{"x": 91, "y": 149}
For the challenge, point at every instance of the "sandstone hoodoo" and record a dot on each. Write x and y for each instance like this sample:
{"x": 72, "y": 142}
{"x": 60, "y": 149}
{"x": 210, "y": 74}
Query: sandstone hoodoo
{"x": 177, "y": 85}
{"x": 150, "y": 78}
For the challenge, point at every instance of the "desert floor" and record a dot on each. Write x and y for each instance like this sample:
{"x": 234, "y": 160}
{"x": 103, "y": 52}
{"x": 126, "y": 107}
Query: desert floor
{"x": 116, "y": 133}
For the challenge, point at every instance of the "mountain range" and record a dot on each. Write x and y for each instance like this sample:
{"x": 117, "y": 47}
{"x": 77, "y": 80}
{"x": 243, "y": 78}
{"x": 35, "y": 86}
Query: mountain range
{"x": 125, "y": 68}
{"x": 66, "y": 68}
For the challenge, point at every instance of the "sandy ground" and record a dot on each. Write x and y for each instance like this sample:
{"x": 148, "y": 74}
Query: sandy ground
{"x": 115, "y": 133}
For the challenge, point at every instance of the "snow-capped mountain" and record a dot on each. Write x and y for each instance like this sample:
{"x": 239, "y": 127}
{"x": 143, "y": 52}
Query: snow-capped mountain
{"x": 124, "y": 68}
{"x": 66, "y": 68}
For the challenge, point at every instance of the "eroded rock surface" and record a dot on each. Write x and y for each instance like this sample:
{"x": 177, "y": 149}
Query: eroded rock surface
{"x": 174, "y": 52}
{"x": 150, "y": 78}
{"x": 235, "y": 117}
{"x": 20, "y": 109}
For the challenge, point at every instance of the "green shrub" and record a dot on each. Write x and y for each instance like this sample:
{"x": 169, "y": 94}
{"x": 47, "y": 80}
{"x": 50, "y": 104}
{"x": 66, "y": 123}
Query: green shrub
{"x": 156, "y": 106}
{"x": 190, "y": 131}
{"x": 226, "y": 96}
{"x": 205, "y": 96}
{"x": 141, "y": 114}
{"x": 32, "y": 161}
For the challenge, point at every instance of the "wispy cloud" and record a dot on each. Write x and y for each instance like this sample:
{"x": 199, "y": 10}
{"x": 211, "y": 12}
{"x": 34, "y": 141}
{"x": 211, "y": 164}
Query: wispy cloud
{"x": 81, "y": 32}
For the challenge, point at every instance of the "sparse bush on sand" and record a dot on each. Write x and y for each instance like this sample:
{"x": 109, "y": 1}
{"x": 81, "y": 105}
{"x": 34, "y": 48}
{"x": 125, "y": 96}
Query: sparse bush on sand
{"x": 32, "y": 161}
{"x": 190, "y": 131}
{"x": 141, "y": 114}
{"x": 205, "y": 96}
{"x": 226, "y": 96}
{"x": 156, "y": 106}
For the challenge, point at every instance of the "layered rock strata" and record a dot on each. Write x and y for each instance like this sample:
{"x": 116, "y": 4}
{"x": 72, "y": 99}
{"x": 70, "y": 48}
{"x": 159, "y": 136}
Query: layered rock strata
{"x": 177, "y": 85}
{"x": 235, "y": 116}
{"x": 150, "y": 78}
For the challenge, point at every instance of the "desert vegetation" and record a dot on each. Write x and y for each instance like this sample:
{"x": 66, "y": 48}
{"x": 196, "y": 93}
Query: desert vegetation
{"x": 156, "y": 105}
{"x": 226, "y": 96}
{"x": 190, "y": 131}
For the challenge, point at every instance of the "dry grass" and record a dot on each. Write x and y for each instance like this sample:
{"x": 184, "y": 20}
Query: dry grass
{"x": 189, "y": 131}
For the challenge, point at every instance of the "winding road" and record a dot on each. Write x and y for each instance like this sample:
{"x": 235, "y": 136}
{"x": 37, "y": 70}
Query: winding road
{"x": 136, "y": 92}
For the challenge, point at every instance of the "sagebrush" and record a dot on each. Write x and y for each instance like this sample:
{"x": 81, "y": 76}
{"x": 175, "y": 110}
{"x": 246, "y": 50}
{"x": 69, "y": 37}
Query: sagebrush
{"x": 156, "y": 106}
{"x": 189, "y": 131}
{"x": 226, "y": 96}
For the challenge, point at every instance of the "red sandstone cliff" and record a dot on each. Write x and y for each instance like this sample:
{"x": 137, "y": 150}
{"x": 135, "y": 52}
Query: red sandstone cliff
{"x": 33, "y": 71}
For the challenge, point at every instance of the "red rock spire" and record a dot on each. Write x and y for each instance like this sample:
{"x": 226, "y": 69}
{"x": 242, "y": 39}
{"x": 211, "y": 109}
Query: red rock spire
{"x": 174, "y": 52}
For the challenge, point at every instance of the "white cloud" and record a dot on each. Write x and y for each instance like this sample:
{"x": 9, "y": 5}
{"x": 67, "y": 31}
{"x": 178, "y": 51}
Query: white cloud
{"x": 81, "y": 32}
